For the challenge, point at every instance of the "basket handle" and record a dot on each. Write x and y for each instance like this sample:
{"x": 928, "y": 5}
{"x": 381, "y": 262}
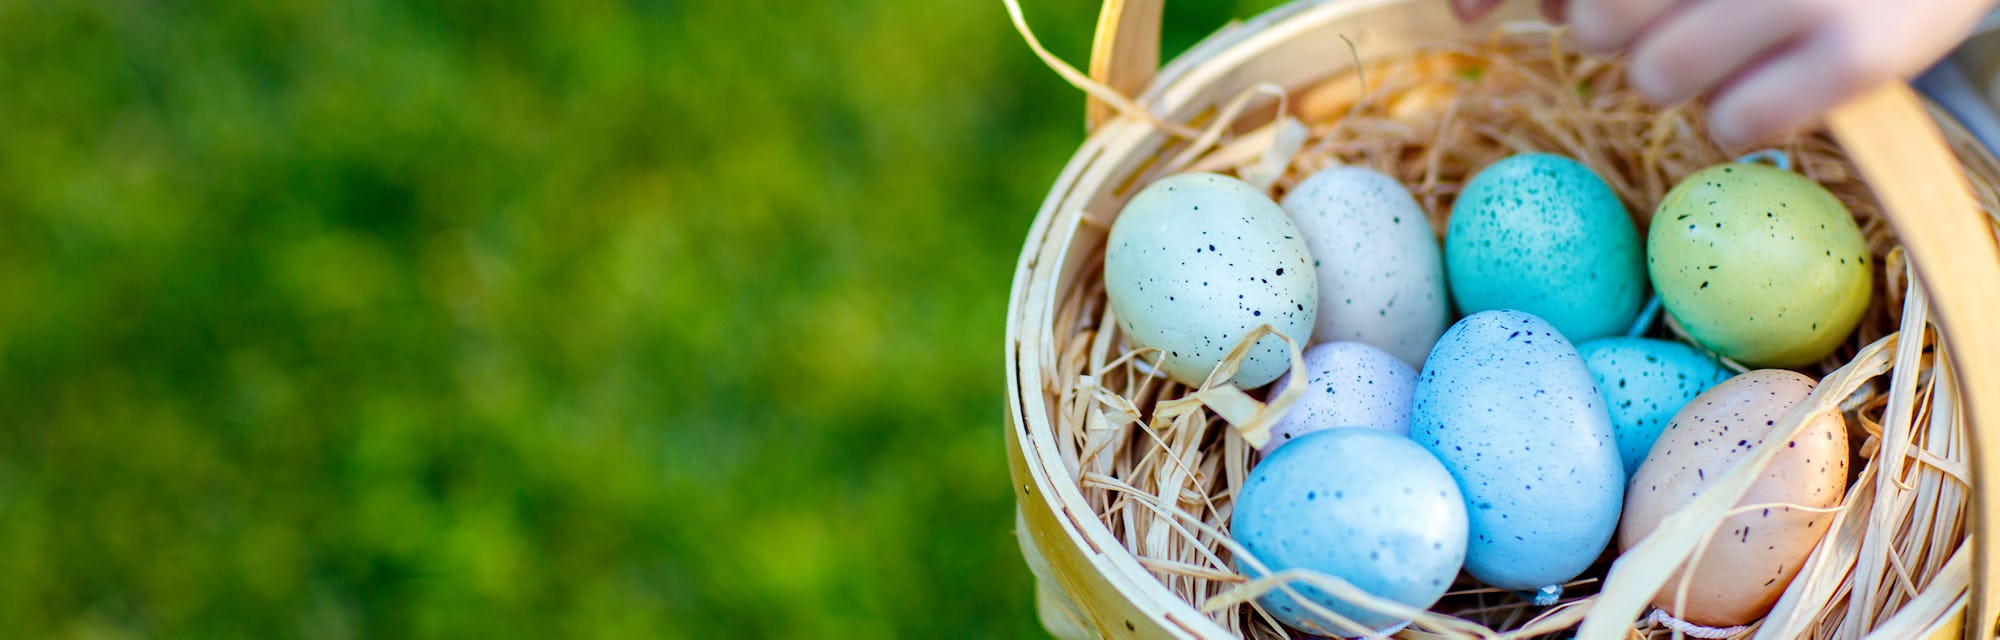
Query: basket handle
{"x": 1125, "y": 53}
{"x": 1905, "y": 159}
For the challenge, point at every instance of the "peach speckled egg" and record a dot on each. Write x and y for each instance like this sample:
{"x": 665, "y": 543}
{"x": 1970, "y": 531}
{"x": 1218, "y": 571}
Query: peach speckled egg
{"x": 1754, "y": 554}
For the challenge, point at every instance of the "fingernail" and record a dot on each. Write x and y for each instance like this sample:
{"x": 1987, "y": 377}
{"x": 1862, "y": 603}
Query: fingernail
{"x": 1647, "y": 80}
{"x": 1726, "y": 130}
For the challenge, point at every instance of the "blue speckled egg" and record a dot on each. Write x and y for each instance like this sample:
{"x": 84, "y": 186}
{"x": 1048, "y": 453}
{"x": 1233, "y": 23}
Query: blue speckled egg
{"x": 1508, "y": 406}
{"x": 1644, "y": 382}
{"x": 1348, "y": 384}
{"x": 1543, "y": 234}
{"x": 1195, "y": 262}
{"x": 1366, "y": 506}
{"x": 1381, "y": 276}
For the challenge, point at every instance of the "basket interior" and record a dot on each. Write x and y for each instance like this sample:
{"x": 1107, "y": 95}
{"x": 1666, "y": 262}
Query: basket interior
{"x": 1432, "y": 114}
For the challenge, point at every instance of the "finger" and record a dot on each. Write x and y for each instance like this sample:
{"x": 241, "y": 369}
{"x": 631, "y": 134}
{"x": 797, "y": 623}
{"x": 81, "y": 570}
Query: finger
{"x": 1843, "y": 56}
{"x": 1472, "y": 10}
{"x": 1705, "y": 42}
{"x": 1604, "y": 26}
{"x": 1555, "y": 10}
{"x": 1789, "y": 90}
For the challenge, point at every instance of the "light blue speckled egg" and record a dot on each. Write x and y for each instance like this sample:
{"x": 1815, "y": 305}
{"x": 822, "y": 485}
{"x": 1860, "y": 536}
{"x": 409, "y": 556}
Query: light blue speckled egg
{"x": 1381, "y": 276}
{"x": 1366, "y": 506}
{"x": 1195, "y": 262}
{"x": 1348, "y": 384}
{"x": 1543, "y": 234}
{"x": 1508, "y": 406}
{"x": 1644, "y": 382}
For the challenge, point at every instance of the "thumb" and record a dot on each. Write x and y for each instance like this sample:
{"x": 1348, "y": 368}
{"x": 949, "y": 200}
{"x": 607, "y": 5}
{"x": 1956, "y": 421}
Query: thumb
{"x": 1471, "y": 10}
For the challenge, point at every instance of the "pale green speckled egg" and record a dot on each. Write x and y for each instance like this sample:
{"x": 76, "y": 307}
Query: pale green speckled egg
{"x": 1195, "y": 262}
{"x": 1759, "y": 264}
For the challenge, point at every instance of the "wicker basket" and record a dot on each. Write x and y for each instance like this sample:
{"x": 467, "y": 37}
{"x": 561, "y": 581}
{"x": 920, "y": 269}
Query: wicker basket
{"x": 1090, "y": 585}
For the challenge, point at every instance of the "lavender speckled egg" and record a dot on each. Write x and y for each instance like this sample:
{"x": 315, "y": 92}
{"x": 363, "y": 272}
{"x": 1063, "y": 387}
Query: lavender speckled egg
{"x": 1381, "y": 276}
{"x": 1754, "y": 554}
{"x": 1644, "y": 381}
{"x": 1508, "y": 406}
{"x": 1348, "y": 384}
{"x": 1196, "y": 262}
{"x": 1543, "y": 234}
{"x": 1363, "y": 505}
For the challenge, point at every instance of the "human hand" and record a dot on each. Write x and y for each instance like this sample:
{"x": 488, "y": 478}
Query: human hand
{"x": 1767, "y": 67}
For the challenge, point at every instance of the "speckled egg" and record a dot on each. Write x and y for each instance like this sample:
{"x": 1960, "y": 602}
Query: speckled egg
{"x": 1197, "y": 261}
{"x": 1508, "y": 406}
{"x": 1644, "y": 381}
{"x": 1366, "y": 506}
{"x": 1754, "y": 554}
{"x": 1543, "y": 234}
{"x": 1348, "y": 384}
{"x": 1759, "y": 264}
{"x": 1381, "y": 276}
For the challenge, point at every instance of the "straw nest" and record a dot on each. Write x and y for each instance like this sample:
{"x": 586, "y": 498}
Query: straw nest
{"x": 1161, "y": 462}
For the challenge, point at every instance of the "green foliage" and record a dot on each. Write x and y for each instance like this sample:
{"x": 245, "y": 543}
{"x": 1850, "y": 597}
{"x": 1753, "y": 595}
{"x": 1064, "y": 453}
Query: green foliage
{"x": 499, "y": 318}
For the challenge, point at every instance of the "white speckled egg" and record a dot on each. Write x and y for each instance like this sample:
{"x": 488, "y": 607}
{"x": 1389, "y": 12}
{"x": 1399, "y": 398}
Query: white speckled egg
{"x": 1506, "y": 403}
{"x": 1362, "y": 505}
{"x": 1196, "y": 262}
{"x": 1381, "y": 274}
{"x": 1754, "y": 554}
{"x": 1348, "y": 384}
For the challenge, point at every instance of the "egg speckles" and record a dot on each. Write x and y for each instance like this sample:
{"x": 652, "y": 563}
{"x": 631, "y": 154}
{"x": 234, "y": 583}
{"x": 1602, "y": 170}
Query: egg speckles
{"x": 1195, "y": 262}
{"x": 1363, "y": 505}
{"x": 1759, "y": 264}
{"x": 1506, "y": 404}
{"x": 1644, "y": 382}
{"x": 1543, "y": 234}
{"x": 1381, "y": 276}
{"x": 1754, "y": 554}
{"x": 1348, "y": 384}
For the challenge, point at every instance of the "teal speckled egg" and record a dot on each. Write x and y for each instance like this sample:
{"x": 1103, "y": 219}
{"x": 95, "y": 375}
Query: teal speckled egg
{"x": 1541, "y": 233}
{"x": 1644, "y": 381}
{"x": 1761, "y": 264}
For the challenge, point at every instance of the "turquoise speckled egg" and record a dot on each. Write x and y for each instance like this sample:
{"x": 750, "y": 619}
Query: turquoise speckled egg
{"x": 1196, "y": 262}
{"x": 1505, "y": 402}
{"x": 1366, "y": 506}
{"x": 1543, "y": 234}
{"x": 1644, "y": 382}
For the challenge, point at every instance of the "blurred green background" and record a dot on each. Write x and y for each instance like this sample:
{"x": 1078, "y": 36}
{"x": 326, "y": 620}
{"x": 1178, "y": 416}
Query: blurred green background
{"x": 504, "y": 318}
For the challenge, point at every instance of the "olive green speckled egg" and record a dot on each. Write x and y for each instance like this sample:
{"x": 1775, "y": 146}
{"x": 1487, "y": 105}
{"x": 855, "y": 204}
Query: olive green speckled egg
{"x": 1759, "y": 264}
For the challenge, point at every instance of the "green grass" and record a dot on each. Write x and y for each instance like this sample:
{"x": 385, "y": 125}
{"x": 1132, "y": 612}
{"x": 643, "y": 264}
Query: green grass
{"x": 500, "y": 318}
